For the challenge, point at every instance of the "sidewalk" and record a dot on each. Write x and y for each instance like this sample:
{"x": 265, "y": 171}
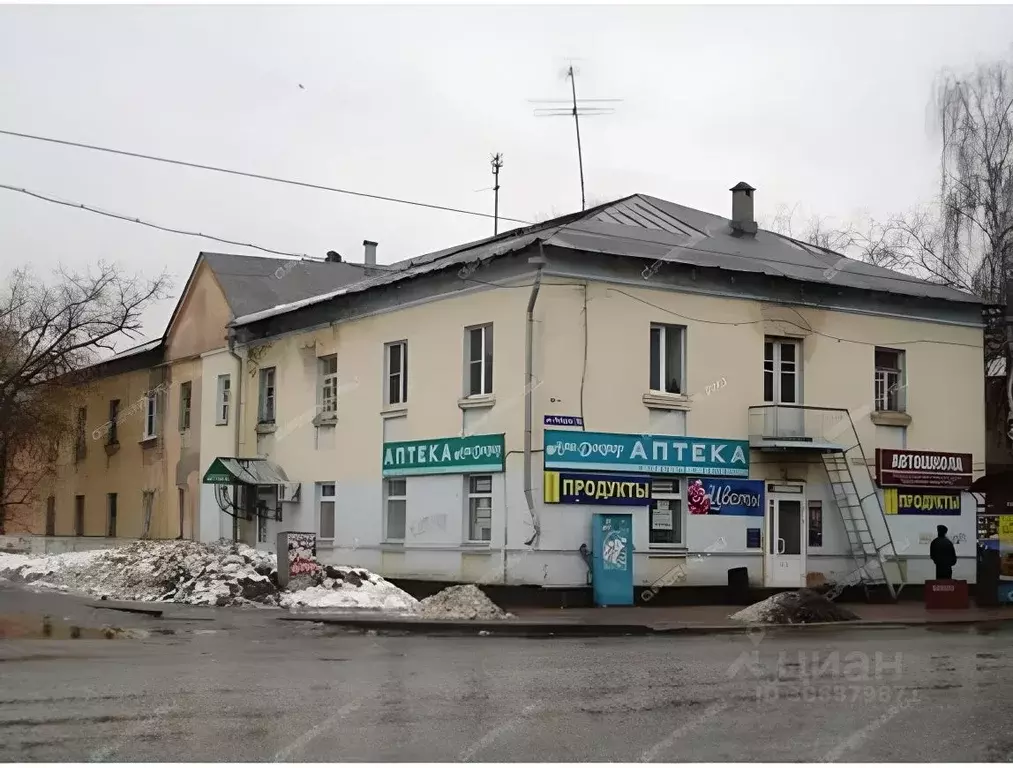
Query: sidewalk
{"x": 641, "y": 620}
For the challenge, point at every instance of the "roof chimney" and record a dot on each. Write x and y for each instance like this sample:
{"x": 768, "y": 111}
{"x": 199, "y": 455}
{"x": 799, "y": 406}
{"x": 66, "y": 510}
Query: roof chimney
{"x": 743, "y": 222}
{"x": 370, "y": 258}
{"x": 333, "y": 256}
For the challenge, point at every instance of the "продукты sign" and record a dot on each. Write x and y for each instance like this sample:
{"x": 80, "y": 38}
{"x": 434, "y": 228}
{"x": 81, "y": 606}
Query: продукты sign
{"x": 660, "y": 454}
{"x": 586, "y": 488}
{"x": 444, "y": 455}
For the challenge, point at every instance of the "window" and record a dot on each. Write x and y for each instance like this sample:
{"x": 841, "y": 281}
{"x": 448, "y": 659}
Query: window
{"x": 151, "y": 415}
{"x": 666, "y": 511}
{"x": 112, "y": 437}
{"x": 479, "y": 507}
{"x": 222, "y": 401}
{"x": 666, "y": 358}
{"x": 267, "y": 396}
{"x": 111, "y": 523}
{"x": 185, "y": 397}
{"x": 182, "y": 509}
{"x": 889, "y": 380}
{"x": 396, "y": 373}
{"x": 79, "y": 515}
{"x": 478, "y": 351}
{"x": 397, "y": 505}
{"x": 327, "y": 394}
{"x": 326, "y": 510}
{"x": 780, "y": 371}
{"x": 80, "y": 441}
{"x": 51, "y": 516}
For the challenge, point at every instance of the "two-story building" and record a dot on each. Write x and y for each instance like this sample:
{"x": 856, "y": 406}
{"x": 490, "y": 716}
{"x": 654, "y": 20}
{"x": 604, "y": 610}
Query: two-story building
{"x": 751, "y": 400}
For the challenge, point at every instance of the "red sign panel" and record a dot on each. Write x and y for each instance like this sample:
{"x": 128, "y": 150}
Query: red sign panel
{"x": 922, "y": 469}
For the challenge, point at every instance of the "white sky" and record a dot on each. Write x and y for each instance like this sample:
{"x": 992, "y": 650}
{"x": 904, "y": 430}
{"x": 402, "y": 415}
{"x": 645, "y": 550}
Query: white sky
{"x": 821, "y": 106}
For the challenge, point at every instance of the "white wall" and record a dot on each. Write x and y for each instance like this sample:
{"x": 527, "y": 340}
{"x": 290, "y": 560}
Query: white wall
{"x": 215, "y": 441}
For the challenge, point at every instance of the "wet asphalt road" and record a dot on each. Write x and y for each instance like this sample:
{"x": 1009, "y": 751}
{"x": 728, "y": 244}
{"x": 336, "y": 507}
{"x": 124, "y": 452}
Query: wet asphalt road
{"x": 244, "y": 687}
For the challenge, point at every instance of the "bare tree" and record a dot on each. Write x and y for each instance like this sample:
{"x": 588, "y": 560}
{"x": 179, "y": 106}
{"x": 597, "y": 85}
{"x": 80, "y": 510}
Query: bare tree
{"x": 50, "y": 331}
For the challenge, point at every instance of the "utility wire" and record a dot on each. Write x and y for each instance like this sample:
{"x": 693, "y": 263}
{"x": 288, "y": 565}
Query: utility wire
{"x": 432, "y": 206}
{"x": 134, "y": 220}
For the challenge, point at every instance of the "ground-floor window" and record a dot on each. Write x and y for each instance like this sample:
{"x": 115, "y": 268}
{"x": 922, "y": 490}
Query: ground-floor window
{"x": 479, "y": 488}
{"x": 396, "y": 506}
{"x": 666, "y": 511}
{"x": 326, "y": 495}
{"x": 111, "y": 522}
{"x": 79, "y": 515}
{"x": 51, "y": 516}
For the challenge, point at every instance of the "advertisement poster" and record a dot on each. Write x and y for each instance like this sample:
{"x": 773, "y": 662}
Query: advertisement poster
{"x": 708, "y": 496}
{"x": 1006, "y": 547}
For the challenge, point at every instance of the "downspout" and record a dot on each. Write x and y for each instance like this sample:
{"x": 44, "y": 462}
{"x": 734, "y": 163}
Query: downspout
{"x": 539, "y": 261}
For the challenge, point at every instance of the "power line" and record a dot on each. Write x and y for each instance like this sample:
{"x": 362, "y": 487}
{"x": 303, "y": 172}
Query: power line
{"x": 134, "y": 220}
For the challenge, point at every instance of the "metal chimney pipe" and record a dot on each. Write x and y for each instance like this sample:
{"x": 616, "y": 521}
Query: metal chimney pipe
{"x": 370, "y": 247}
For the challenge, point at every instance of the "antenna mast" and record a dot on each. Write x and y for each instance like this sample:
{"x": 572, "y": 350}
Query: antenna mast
{"x": 497, "y": 163}
{"x": 576, "y": 110}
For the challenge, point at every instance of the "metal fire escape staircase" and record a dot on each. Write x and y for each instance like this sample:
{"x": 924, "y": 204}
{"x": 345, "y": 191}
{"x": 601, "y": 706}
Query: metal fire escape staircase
{"x": 870, "y": 559}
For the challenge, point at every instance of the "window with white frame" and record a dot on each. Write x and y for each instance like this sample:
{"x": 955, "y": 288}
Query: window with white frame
{"x": 889, "y": 379}
{"x": 781, "y": 380}
{"x": 478, "y": 356}
{"x": 185, "y": 398}
{"x": 326, "y": 507}
{"x": 223, "y": 398}
{"x": 666, "y": 358}
{"x": 266, "y": 409}
{"x": 396, "y": 502}
{"x": 327, "y": 391}
{"x": 479, "y": 488}
{"x": 151, "y": 415}
{"x": 666, "y": 511}
{"x": 396, "y": 373}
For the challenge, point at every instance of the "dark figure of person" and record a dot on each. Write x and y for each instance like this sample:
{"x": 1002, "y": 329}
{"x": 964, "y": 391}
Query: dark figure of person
{"x": 943, "y": 554}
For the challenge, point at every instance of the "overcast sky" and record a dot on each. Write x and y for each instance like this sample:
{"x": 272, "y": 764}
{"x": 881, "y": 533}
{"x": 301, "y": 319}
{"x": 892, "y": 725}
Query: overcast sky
{"x": 825, "y": 107}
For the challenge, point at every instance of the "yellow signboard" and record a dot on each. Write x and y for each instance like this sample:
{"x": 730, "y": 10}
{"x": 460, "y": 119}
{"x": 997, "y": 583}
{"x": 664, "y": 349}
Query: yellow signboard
{"x": 1006, "y": 529}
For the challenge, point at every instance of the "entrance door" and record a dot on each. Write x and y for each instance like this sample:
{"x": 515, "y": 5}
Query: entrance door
{"x": 784, "y": 551}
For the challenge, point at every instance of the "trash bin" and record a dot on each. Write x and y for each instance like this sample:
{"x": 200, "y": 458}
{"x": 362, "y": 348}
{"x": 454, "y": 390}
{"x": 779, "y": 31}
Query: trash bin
{"x": 738, "y": 586}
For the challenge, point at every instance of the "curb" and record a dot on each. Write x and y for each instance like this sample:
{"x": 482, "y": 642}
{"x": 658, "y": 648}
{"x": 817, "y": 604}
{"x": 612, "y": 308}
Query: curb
{"x": 508, "y": 628}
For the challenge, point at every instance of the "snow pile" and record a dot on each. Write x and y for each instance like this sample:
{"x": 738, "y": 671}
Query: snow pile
{"x": 464, "y": 601}
{"x": 343, "y": 587}
{"x": 802, "y": 607}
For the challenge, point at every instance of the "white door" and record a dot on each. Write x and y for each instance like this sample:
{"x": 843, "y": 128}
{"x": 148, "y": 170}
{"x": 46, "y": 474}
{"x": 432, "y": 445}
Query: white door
{"x": 784, "y": 552}
{"x": 782, "y": 385}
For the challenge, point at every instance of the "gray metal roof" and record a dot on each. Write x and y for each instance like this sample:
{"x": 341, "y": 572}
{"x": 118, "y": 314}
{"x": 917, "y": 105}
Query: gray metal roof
{"x": 648, "y": 228}
{"x": 255, "y": 283}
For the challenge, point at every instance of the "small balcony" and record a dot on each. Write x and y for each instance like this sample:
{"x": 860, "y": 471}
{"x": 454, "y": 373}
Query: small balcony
{"x": 800, "y": 427}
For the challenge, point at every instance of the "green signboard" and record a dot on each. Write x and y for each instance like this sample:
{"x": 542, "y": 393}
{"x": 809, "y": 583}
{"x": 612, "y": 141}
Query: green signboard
{"x": 444, "y": 456}
{"x": 217, "y": 474}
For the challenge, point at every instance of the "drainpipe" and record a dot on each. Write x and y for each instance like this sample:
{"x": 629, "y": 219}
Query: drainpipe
{"x": 539, "y": 261}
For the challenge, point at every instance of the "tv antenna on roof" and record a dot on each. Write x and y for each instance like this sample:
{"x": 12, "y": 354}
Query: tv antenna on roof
{"x": 571, "y": 107}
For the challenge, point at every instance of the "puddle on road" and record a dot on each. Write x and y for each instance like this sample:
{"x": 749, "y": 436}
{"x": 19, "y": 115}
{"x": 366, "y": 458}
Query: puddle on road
{"x": 28, "y": 627}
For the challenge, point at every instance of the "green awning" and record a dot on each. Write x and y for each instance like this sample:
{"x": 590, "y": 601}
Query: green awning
{"x": 229, "y": 471}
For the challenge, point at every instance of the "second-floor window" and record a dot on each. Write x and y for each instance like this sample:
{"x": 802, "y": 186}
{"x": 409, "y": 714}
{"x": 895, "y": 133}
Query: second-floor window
{"x": 185, "y": 398}
{"x": 267, "y": 396}
{"x": 666, "y": 358}
{"x": 478, "y": 356}
{"x": 151, "y": 415}
{"x": 327, "y": 392}
{"x": 396, "y": 373}
{"x": 80, "y": 440}
{"x": 112, "y": 438}
{"x": 223, "y": 398}
{"x": 889, "y": 380}
{"x": 781, "y": 371}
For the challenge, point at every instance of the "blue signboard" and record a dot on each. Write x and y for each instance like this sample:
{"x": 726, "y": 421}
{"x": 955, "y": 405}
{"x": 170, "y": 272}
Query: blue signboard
{"x": 658, "y": 454}
{"x": 709, "y": 496}
{"x": 563, "y": 421}
{"x": 612, "y": 563}
{"x": 586, "y": 488}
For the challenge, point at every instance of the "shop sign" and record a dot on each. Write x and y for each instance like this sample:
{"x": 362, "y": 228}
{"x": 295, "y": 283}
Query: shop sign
{"x": 922, "y": 502}
{"x": 656, "y": 454}
{"x": 585, "y": 488}
{"x": 563, "y": 421}
{"x": 922, "y": 469}
{"x": 725, "y": 497}
{"x": 444, "y": 455}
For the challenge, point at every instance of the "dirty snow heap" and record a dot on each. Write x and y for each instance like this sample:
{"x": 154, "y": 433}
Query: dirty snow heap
{"x": 803, "y": 607}
{"x": 464, "y": 601}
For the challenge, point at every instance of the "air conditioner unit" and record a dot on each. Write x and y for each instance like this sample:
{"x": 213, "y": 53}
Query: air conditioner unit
{"x": 289, "y": 491}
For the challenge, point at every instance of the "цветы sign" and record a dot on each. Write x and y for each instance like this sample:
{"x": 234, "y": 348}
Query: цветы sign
{"x": 922, "y": 469}
{"x": 660, "y": 454}
{"x": 444, "y": 455}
